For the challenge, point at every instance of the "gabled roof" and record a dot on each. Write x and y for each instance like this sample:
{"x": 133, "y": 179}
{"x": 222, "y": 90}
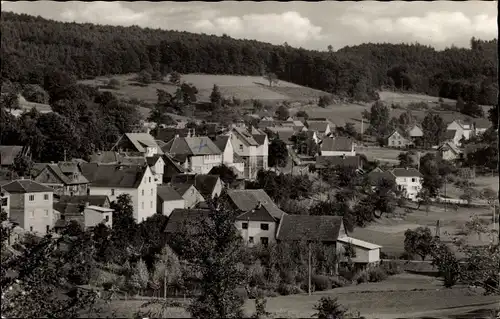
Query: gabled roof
{"x": 347, "y": 161}
{"x": 180, "y": 216}
{"x": 450, "y": 146}
{"x": 68, "y": 174}
{"x": 168, "y": 133}
{"x": 481, "y": 123}
{"x": 450, "y": 134}
{"x": 204, "y": 183}
{"x": 151, "y": 161}
{"x": 167, "y": 193}
{"x": 260, "y": 138}
{"x": 201, "y": 145}
{"x": 96, "y": 200}
{"x": 111, "y": 175}
{"x": 245, "y": 136}
{"x": 258, "y": 214}
{"x": 69, "y": 209}
{"x": 358, "y": 243}
{"x": 308, "y": 227}
{"x": 8, "y": 153}
{"x": 221, "y": 142}
{"x": 183, "y": 188}
{"x": 286, "y": 136}
{"x": 338, "y": 144}
{"x": 406, "y": 172}
{"x": 398, "y": 131}
{"x": 172, "y": 163}
{"x": 141, "y": 141}
{"x": 319, "y": 126}
{"x": 247, "y": 199}
{"x": 376, "y": 175}
{"x": 265, "y": 123}
{"x": 24, "y": 186}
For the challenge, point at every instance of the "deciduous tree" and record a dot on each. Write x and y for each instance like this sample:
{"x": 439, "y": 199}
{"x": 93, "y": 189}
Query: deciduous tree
{"x": 419, "y": 242}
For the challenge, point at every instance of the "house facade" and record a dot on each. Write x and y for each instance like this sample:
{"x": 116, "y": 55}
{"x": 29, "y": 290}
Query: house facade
{"x": 397, "y": 139}
{"x": 365, "y": 253}
{"x": 168, "y": 200}
{"x": 95, "y": 215}
{"x": 254, "y": 153}
{"x": 321, "y": 127}
{"x": 462, "y": 128}
{"x": 223, "y": 142}
{"x": 65, "y": 178}
{"x": 408, "y": 180}
{"x": 142, "y": 143}
{"x": 449, "y": 151}
{"x": 199, "y": 154}
{"x": 190, "y": 194}
{"x": 31, "y": 205}
{"x": 114, "y": 180}
{"x": 257, "y": 226}
{"x": 157, "y": 166}
{"x": 337, "y": 146}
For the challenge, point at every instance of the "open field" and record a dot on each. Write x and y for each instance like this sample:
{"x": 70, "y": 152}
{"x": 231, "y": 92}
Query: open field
{"x": 389, "y": 231}
{"x": 241, "y": 87}
{"x": 400, "y": 296}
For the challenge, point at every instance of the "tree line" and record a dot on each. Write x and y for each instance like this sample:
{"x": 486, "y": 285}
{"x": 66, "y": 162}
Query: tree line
{"x": 31, "y": 44}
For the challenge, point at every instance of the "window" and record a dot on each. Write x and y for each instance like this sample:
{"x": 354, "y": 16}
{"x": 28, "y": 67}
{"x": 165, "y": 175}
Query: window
{"x": 413, "y": 180}
{"x": 46, "y": 213}
{"x": 32, "y": 198}
{"x": 241, "y": 147}
{"x": 264, "y": 241}
{"x": 142, "y": 204}
{"x": 264, "y": 226}
{"x": 244, "y": 226}
{"x": 150, "y": 179}
{"x": 4, "y": 201}
{"x": 106, "y": 218}
{"x": 142, "y": 192}
{"x": 399, "y": 142}
{"x": 112, "y": 192}
{"x": 47, "y": 229}
{"x": 31, "y": 228}
{"x": 250, "y": 240}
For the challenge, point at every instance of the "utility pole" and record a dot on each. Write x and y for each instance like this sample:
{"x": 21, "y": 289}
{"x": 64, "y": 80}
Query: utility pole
{"x": 165, "y": 283}
{"x": 362, "y": 125}
{"x": 310, "y": 268}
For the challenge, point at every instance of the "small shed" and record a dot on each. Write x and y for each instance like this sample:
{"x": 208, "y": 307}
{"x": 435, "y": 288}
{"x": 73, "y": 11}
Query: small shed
{"x": 366, "y": 253}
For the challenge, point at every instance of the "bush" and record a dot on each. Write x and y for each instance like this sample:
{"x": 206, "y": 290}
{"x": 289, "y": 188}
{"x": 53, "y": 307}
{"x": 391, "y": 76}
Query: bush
{"x": 288, "y": 277}
{"x": 376, "y": 274}
{"x": 241, "y": 293}
{"x": 361, "y": 277}
{"x": 391, "y": 268}
{"x": 114, "y": 83}
{"x": 338, "y": 281}
{"x": 329, "y": 308}
{"x": 320, "y": 282}
{"x": 286, "y": 289}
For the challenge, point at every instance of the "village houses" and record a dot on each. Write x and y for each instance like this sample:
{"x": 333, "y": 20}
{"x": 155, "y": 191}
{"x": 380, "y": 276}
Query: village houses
{"x": 398, "y": 139}
{"x": 142, "y": 143}
{"x": 252, "y": 147}
{"x": 337, "y": 146}
{"x": 65, "y": 178}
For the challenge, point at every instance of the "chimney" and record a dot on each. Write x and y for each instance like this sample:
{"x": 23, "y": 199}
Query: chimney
{"x": 259, "y": 205}
{"x": 343, "y": 156}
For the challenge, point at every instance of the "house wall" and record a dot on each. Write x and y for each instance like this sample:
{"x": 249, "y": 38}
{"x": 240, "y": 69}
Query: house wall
{"x": 411, "y": 186}
{"x": 396, "y": 140}
{"x": 339, "y": 153}
{"x": 203, "y": 164}
{"x": 256, "y": 232}
{"x": 192, "y": 197}
{"x": 228, "y": 155}
{"x": 217, "y": 189}
{"x": 167, "y": 207}
{"x": 416, "y": 132}
{"x": 47, "y": 178}
{"x": 5, "y": 203}
{"x": 448, "y": 155}
{"x": 37, "y": 213}
{"x": 460, "y": 130}
{"x": 93, "y": 218}
{"x": 158, "y": 170}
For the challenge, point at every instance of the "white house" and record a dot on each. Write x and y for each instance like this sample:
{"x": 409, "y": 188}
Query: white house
{"x": 321, "y": 127}
{"x": 462, "y": 128}
{"x": 113, "y": 180}
{"x": 408, "y": 180}
{"x": 252, "y": 148}
{"x": 365, "y": 252}
{"x": 157, "y": 166}
{"x": 168, "y": 200}
{"x": 142, "y": 143}
{"x": 415, "y": 132}
{"x": 257, "y": 226}
{"x": 95, "y": 215}
{"x": 454, "y": 136}
{"x": 200, "y": 153}
{"x": 223, "y": 142}
{"x": 337, "y": 146}
{"x": 449, "y": 151}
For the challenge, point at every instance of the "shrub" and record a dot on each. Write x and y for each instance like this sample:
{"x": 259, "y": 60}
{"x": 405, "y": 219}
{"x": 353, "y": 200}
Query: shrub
{"x": 391, "y": 268}
{"x": 286, "y": 289}
{"x": 376, "y": 274}
{"x": 338, "y": 281}
{"x": 361, "y": 277}
{"x": 329, "y": 308}
{"x": 288, "y": 277}
{"x": 114, "y": 83}
{"x": 241, "y": 293}
{"x": 321, "y": 282}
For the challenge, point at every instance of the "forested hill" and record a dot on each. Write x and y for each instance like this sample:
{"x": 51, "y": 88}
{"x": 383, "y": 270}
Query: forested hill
{"x": 31, "y": 44}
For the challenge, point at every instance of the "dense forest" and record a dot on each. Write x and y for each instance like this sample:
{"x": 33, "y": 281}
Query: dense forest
{"x": 31, "y": 45}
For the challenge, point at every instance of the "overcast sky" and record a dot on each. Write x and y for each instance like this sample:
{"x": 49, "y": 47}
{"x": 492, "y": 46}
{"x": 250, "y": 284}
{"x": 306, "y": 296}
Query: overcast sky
{"x": 312, "y": 25}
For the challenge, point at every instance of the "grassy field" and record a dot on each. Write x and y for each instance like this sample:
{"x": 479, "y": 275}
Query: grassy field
{"x": 389, "y": 231}
{"x": 400, "y": 296}
{"x": 241, "y": 87}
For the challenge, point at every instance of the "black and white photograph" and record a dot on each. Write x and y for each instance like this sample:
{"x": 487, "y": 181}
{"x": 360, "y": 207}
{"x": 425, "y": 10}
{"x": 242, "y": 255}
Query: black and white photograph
{"x": 240, "y": 159}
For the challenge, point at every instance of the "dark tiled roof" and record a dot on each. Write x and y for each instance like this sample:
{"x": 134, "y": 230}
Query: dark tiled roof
{"x": 95, "y": 200}
{"x": 260, "y": 138}
{"x": 168, "y": 133}
{"x": 173, "y": 163}
{"x": 376, "y": 176}
{"x": 257, "y": 214}
{"x": 264, "y": 124}
{"x": 319, "y": 126}
{"x": 168, "y": 193}
{"x": 450, "y": 134}
{"x": 221, "y": 142}
{"x": 110, "y": 175}
{"x": 180, "y": 216}
{"x": 8, "y": 153}
{"x": 286, "y": 136}
{"x": 481, "y": 123}
{"x": 247, "y": 199}
{"x": 153, "y": 159}
{"x": 65, "y": 173}
{"x": 316, "y": 228}
{"x": 182, "y": 188}
{"x": 348, "y": 161}
{"x": 24, "y": 186}
{"x": 141, "y": 141}
{"x": 202, "y": 145}
{"x": 68, "y": 209}
{"x": 38, "y": 168}
{"x": 246, "y": 136}
{"x": 204, "y": 183}
{"x": 406, "y": 172}
{"x": 338, "y": 144}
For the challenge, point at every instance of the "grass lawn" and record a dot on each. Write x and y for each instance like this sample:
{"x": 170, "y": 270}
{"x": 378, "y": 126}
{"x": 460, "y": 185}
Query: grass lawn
{"x": 241, "y": 87}
{"x": 399, "y": 295}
